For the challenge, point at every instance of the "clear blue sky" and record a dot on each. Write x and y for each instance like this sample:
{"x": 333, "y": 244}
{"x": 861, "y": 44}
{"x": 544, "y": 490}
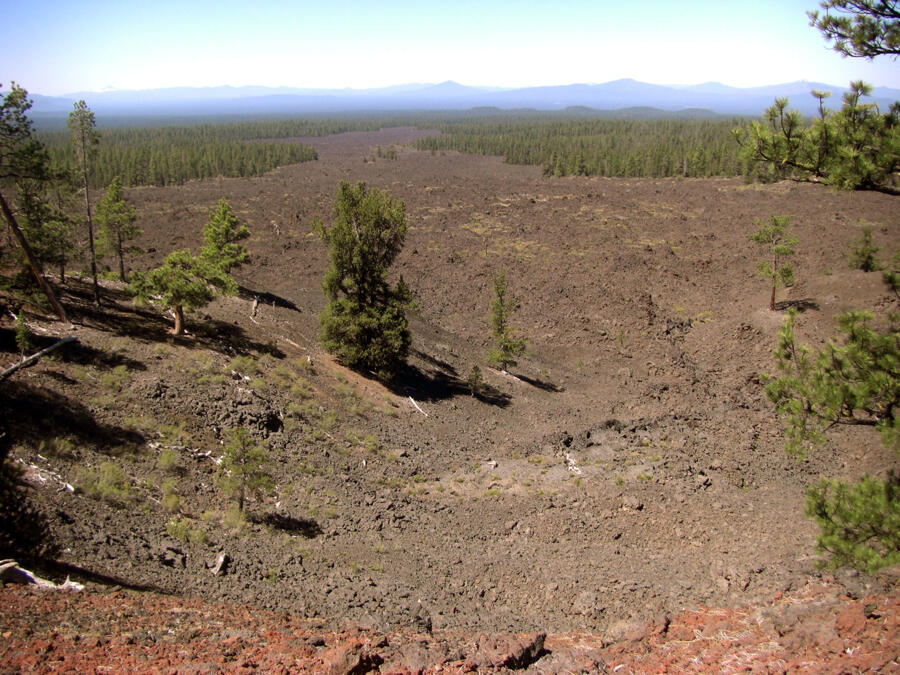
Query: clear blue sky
{"x": 62, "y": 46}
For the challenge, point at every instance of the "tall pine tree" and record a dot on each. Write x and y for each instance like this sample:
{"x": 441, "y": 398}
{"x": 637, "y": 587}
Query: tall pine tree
{"x": 116, "y": 221}
{"x": 364, "y": 323}
{"x": 82, "y": 127}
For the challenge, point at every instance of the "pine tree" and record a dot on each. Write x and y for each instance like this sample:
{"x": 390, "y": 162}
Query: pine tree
{"x": 856, "y": 148}
{"x": 221, "y": 236}
{"x": 862, "y": 253}
{"x": 22, "y": 157}
{"x": 860, "y": 28}
{"x": 48, "y": 228}
{"x": 476, "y": 382}
{"x": 780, "y": 245}
{"x": 242, "y": 471}
{"x": 181, "y": 283}
{"x": 188, "y": 282}
{"x": 116, "y": 221}
{"x": 364, "y": 324}
{"x": 854, "y": 383}
{"x": 82, "y": 127}
{"x": 507, "y": 348}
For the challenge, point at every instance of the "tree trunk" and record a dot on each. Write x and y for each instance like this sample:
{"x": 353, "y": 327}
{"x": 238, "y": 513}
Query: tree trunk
{"x": 33, "y": 262}
{"x": 90, "y": 222}
{"x": 121, "y": 257}
{"x": 774, "y": 282}
{"x": 34, "y": 357}
{"x": 178, "y": 310}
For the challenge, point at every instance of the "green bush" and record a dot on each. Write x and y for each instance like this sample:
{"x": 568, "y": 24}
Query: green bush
{"x": 859, "y": 523}
{"x": 861, "y": 255}
{"x": 168, "y": 460}
{"x": 108, "y": 483}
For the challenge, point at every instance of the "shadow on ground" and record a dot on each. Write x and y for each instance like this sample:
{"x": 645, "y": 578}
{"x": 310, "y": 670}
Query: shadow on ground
{"x": 32, "y": 414}
{"x": 801, "y": 305}
{"x": 305, "y": 527}
{"x": 438, "y": 385}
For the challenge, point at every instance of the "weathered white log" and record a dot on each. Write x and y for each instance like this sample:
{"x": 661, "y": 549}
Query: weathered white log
{"x": 34, "y": 357}
{"x": 11, "y": 572}
{"x": 416, "y": 405}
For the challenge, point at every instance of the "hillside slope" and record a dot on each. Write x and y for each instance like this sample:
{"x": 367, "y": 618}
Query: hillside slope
{"x": 631, "y": 464}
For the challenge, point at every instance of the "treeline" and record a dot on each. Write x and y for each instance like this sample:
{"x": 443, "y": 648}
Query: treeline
{"x": 598, "y": 147}
{"x": 173, "y": 155}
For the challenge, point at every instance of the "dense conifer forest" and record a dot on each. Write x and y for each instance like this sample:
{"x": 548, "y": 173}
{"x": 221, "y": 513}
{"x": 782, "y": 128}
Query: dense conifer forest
{"x": 563, "y": 144}
{"x": 598, "y": 147}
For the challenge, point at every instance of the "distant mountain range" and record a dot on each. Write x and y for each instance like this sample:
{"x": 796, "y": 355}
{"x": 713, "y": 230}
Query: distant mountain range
{"x": 709, "y": 98}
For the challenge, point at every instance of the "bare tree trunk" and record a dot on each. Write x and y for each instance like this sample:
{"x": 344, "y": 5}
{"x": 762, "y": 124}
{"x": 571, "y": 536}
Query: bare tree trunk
{"x": 121, "y": 257}
{"x": 33, "y": 262}
{"x": 34, "y": 357}
{"x": 774, "y": 283}
{"x": 178, "y": 310}
{"x": 90, "y": 222}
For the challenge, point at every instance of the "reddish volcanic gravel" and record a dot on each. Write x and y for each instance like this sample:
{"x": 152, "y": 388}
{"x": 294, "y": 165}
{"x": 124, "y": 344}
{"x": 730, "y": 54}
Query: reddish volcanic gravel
{"x": 815, "y": 629}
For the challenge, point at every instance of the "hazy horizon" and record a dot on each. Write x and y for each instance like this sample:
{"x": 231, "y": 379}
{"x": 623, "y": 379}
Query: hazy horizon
{"x": 55, "y": 47}
{"x": 412, "y": 85}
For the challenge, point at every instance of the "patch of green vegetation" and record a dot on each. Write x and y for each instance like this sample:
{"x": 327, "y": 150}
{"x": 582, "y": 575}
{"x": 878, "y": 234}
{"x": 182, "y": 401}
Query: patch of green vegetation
{"x": 234, "y": 519}
{"x": 167, "y": 461}
{"x": 109, "y": 483}
{"x": 622, "y": 343}
{"x": 60, "y": 447}
{"x": 183, "y": 530}
{"x": 115, "y": 379}
{"x": 172, "y": 434}
{"x": 142, "y": 423}
{"x": 702, "y": 317}
{"x": 245, "y": 366}
{"x": 171, "y": 500}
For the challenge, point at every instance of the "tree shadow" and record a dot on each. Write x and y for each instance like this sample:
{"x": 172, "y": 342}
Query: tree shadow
{"x": 59, "y": 569}
{"x": 437, "y": 385}
{"x": 118, "y": 315}
{"x": 24, "y": 529}
{"x": 306, "y": 527}
{"x": 86, "y": 355}
{"x": 801, "y": 305}
{"x": 435, "y": 362}
{"x": 541, "y": 384}
{"x": 266, "y": 298}
{"x": 31, "y": 414}
{"x": 493, "y": 396}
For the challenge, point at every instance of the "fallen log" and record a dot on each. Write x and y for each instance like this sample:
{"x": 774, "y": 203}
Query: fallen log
{"x": 34, "y": 357}
{"x": 10, "y": 572}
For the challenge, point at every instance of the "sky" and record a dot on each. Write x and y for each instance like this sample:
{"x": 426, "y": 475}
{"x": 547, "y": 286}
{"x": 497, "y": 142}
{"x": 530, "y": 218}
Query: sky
{"x": 56, "y": 47}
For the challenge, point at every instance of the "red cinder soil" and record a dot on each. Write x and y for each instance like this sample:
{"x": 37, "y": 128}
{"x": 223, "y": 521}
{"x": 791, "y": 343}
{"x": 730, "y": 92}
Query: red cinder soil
{"x": 815, "y": 629}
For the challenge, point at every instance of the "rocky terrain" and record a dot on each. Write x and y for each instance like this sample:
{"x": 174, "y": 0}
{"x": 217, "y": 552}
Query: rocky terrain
{"x": 629, "y": 468}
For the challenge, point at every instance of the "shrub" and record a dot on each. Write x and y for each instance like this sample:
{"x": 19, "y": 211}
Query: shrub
{"x": 109, "y": 483}
{"x": 859, "y": 523}
{"x": 242, "y": 470}
{"x": 168, "y": 461}
{"x": 861, "y": 255}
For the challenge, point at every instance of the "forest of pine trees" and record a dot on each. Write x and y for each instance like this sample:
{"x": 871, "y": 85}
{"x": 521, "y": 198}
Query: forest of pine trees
{"x": 597, "y": 147}
{"x": 562, "y": 144}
